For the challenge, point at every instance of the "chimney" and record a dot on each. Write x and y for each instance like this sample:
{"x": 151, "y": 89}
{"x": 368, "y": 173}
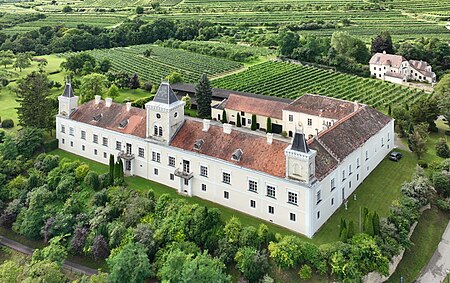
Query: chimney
{"x": 98, "y": 98}
{"x": 128, "y": 106}
{"x": 227, "y": 128}
{"x": 206, "y": 125}
{"x": 355, "y": 106}
{"x": 108, "y": 102}
{"x": 269, "y": 138}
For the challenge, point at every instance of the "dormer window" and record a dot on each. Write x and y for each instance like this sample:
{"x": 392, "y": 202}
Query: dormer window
{"x": 123, "y": 124}
{"x": 97, "y": 118}
{"x": 237, "y": 155}
{"x": 198, "y": 144}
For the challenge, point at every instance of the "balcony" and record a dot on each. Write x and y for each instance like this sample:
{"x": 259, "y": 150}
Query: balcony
{"x": 184, "y": 175}
{"x": 125, "y": 155}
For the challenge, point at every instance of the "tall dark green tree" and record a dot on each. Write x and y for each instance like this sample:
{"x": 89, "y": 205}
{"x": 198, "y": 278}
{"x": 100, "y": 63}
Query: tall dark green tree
{"x": 224, "y": 116}
{"x": 203, "y": 94}
{"x": 111, "y": 169}
{"x": 254, "y": 124}
{"x": 134, "y": 81}
{"x": 35, "y": 108}
{"x": 382, "y": 42}
{"x": 238, "y": 120}
{"x": 269, "y": 125}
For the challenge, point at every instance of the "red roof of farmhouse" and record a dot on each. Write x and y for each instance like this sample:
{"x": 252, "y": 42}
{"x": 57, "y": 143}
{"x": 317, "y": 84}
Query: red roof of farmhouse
{"x": 111, "y": 117}
{"x": 258, "y": 106}
{"x": 387, "y": 59}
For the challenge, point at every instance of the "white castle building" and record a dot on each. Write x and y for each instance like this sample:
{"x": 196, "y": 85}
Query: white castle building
{"x": 396, "y": 69}
{"x": 297, "y": 183}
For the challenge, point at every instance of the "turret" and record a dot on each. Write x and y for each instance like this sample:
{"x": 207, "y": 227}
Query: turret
{"x": 68, "y": 102}
{"x": 300, "y": 160}
{"x": 165, "y": 114}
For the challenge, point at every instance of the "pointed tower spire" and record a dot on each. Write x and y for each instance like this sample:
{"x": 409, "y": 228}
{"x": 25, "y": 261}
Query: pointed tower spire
{"x": 68, "y": 91}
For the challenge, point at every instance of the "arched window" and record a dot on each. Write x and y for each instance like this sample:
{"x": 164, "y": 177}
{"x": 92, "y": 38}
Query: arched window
{"x": 160, "y": 131}
{"x": 297, "y": 170}
{"x": 155, "y": 130}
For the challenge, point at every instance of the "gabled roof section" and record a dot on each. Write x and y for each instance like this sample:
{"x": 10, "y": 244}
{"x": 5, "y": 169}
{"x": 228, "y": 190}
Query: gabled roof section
{"x": 322, "y": 106}
{"x": 299, "y": 143}
{"x": 256, "y": 105}
{"x": 387, "y": 59}
{"x": 165, "y": 94}
{"x": 68, "y": 91}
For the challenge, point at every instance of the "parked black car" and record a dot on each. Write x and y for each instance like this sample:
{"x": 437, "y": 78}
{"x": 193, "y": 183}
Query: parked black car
{"x": 395, "y": 156}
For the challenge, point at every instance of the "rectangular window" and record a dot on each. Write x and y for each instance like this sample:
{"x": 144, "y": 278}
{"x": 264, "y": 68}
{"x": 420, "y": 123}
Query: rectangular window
{"x": 226, "y": 195}
{"x": 95, "y": 151}
{"x": 309, "y": 122}
{"x": 343, "y": 175}
{"x": 172, "y": 177}
{"x": 270, "y": 191}
{"x": 63, "y": 129}
{"x": 357, "y": 177}
{"x": 226, "y": 177}
{"x": 271, "y": 210}
{"x": 333, "y": 184}
{"x": 118, "y": 145}
{"x": 349, "y": 169}
{"x": 292, "y": 198}
{"x": 203, "y": 171}
{"x": 382, "y": 142}
{"x": 155, "y": 171}
{"x": 186, "y": 166}
{"x": 318, "y": 197}
{"x": 367, "y": 154}
{"x": 71, "y": 131}
{"x": 83, "y": 148}
{"x": 357, "y": 163}
{"x": 95, "y": 139}
{"x": 292, "y": 216}
{"x": 63, "y": 141}
{"x": 141, "y": 152}
{"x": 204, "y": 187}
{"x": 156, "y": 156}
{"x": 318, "y": 214}
{"x": 83, "y": 135}
{"x": 105, "y": 141}
{"x": 349, "y": 184}
{"x": 104, "y": 155}
{"x": 252, "y": 204}
{"x": 291, "y": 118}
{"x": 332, "y": 201}
{"x": 186, "y": 182}
{"x": 71, "y": 143}
{"x": 171, "y": 161}
{"x": 252, "y": 186}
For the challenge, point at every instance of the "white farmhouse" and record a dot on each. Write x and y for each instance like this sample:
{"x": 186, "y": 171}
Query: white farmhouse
{"x": 397, "y": 69}
{"x": 297, "y": 183}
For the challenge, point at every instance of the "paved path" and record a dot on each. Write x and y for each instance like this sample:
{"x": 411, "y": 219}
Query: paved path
{"x": 439, "y": 265}
{"x": 68, "y": 265}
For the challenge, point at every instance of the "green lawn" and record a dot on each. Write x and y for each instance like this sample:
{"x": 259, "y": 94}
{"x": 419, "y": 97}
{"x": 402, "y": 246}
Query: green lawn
{"x": 433, "y": 138}
{"x": 376, "y": 193}
{"x": 426, "y": 238}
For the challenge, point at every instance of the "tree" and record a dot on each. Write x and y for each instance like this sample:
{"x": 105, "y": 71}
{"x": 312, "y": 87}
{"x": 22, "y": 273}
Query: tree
{"x": 350, "y": 47}
{"x": 425, "y": 110}
{"x": 78, "y": 240}
{"x": 288, "y": 41}
{"x": 402, "y": 120}
{"x": 382, "y": 42}
{"x": 23, "y": 60}
{"x": 442, "y": 92}
{"x": 238, "y": 120}
{"x": 35, "y": 109}
{"x": 148, "y": 52}
{"x": 104, "y": 66}
{"x": 91, "y": 180}
{"x": 45, "y": 271}
{"x": 139, "y": 10}
{"x": 92, "y": 85}
{"x": 203, "y": 94}
{"x": 286, "y": 253}
{"x": 99, "y": 249}
{"x": 67, "y": 9}
{"x": 129, "y": 265}
{"x": 42, "y": 65}
{"x": 417, "y": 139}
{"x": 254, "y": 125}
{"x": 76, "y": 62}
{"x": 442, "y": 149}
{"x": 55, "y": 252}
{"x": 113, "y": 91}
{"x": 6, "y": 57}
{"x": 187, "y": 101}
{"x": 252, "y": 263}
{"x": 174, "y": 77}
{"x": 269, "y": 125}
{"x": 134, "y": 81}
{"x": 111, "y": 169}
{"x": 224, "y": 117}
{"x": 11, "y": 272}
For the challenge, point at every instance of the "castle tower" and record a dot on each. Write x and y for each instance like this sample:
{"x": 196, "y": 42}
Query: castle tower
{"x": 165, "y": 114}
{"x": 300, "y": 160}
{"x": 68, "y": 102}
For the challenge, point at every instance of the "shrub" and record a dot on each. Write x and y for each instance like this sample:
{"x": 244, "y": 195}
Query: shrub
{"x": 305, "y": 272}
{"x": 148, "y": 86}
{"x": 422, "y": 163}
{"x": 81, "y": 171}
{"x": 92, "y": 180}
{"x": 7, "y": 123}
{"x": 443, "y": 204}
{"x": 51, "y": 145}
{"x": 442, "y": 149}
{"x": 284, "y": 134}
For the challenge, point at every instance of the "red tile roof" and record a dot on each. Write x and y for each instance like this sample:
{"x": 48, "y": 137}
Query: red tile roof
{"x": 387, "y": 59}
{"x": 258, "y": 106}
{"x": 257, "y": 154}
{"x": 112, "y": 116}
{"x": 322, "y": 106}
